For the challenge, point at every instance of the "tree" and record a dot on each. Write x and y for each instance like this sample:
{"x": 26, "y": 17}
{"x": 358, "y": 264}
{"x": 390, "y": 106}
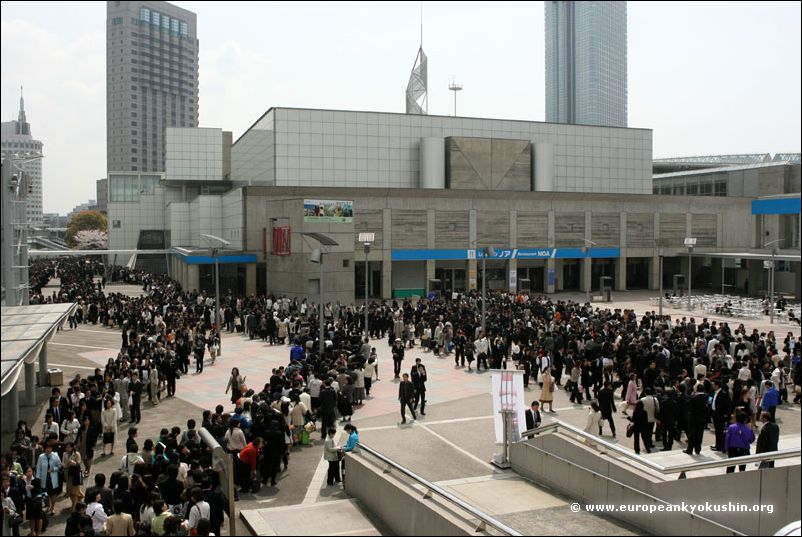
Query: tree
{"x": 85, "y": 220}
{"x": 91, "y": 239}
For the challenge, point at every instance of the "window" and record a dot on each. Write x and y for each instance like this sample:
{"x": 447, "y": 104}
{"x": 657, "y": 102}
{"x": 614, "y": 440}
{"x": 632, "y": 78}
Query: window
{"x": 706, "y": 189}
{"x": 693, "y": 189}
{"x": 165, "y": 22}
{"x": 117, "y": 20}
{"x": 115, "y": 223}
{"x": 155, "y": 20}
{"x": 184, "y": 28}
{"x": 720, "y": 188}
{"x": 144, "y": 14}
{"x": 174, "y": 25}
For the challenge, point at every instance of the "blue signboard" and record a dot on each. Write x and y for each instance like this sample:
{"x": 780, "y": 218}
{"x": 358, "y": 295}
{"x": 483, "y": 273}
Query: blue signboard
{"x": 776, "y": 206}
{"x": 223, "y": 259}
{"x": 510, "y": 253}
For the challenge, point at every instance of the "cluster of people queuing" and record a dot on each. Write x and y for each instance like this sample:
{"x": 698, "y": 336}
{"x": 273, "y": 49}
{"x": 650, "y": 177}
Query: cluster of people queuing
{"x": 674, "y": 376}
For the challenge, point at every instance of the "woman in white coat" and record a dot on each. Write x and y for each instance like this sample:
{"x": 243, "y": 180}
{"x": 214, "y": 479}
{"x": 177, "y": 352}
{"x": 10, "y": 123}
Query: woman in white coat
{"x": 108, "y": 419}
{"x": 593, "y": 425}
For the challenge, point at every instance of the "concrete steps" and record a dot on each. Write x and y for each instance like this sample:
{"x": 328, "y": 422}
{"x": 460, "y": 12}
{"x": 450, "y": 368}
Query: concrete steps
{"x": 339, "y": 517}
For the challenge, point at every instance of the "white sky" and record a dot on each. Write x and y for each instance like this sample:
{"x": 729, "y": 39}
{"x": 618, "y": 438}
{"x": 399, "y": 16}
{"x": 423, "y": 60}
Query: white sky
{"x": 707, "y": 77}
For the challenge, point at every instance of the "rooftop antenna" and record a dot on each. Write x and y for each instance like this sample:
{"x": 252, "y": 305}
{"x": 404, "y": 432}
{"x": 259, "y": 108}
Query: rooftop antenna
{"x": 455, "y": 86}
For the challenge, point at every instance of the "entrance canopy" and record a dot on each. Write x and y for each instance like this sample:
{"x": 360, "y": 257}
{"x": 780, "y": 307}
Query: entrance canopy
{"x": 24, "y": 330}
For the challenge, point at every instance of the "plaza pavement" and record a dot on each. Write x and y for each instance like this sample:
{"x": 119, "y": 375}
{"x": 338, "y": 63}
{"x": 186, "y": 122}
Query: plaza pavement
{"x": 451, "y": 445}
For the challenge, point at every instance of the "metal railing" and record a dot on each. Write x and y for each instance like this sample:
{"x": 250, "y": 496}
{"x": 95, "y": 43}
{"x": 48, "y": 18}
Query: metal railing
{"x": 484, "y": 519}
{"x": 677, "y": 468}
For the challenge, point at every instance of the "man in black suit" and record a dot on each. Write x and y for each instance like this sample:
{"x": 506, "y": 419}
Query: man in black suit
{"x": 722, "y": 410}
{"x": 669, "y": 409}
{"x": 406, "y": 396}
{"x": 768, "y": 439}
{"x": 328, "y": 407}
{"x": 607, "y": 405}
{"x": 533, "y": 416}
{"x": 418, "y": 377}
{"x": 398, "y": 356}
{"x": 696, "y": 420}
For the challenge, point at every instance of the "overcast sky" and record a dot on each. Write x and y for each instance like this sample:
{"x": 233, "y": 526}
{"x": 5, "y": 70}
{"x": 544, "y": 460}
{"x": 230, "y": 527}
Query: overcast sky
{"x": 708, "y": 78}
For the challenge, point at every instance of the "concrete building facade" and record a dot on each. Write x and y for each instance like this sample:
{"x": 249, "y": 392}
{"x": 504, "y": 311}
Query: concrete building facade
{"x": 151, "y": 81}
{"x": 305, "y": 147}
{"x": 586, "y": 62}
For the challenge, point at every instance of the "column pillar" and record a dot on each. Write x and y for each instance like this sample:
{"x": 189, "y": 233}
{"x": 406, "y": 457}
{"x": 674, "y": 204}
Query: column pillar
{"x": 430, "y": 244}
{"x": 11, "y": 409}
{"x": 250, "y": 279}
{"x": 43, "y": 365}
{"x": 621, "y": 274}
{"x": 472, "y": 245}
{"x": 512, "y": 275}
{"x": 30, "y": 384}
{"x": 654, "y": 273}
{"x": 387, "y": 254}
{"x": 551, "y": 276}
{"x": 193, "y": 276}
{"x": 585, "y": 282}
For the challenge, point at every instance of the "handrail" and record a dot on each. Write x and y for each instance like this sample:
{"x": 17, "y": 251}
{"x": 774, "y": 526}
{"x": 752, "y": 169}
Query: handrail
{"x": 691, "y": 467}
{"x": 633, "y": 489}
{"x": 485, "y": 518}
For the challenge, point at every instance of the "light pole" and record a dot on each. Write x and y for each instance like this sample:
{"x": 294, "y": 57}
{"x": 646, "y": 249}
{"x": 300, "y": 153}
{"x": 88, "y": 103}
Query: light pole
{"x": 585, "y": 253}
{"x": 214, "y": 251}
{"x": 771, "y": 278}
{"x": 487, "y": 252}
{"x": 690, "y": 243}
{"x": 660, "y": 254}
{"x": 317, "y": 257}
{"x": 366, "y": 239}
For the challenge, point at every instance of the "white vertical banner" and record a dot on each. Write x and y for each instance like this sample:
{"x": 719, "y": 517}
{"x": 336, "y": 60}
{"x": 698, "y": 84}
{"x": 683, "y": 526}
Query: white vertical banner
{"x": 514, "y": 280}
{"x": 508, "y": 394}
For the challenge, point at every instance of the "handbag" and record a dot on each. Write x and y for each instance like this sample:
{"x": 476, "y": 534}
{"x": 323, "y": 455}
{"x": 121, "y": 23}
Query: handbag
{"x": 630, "y": 429}
{"x": 108, "y": 438}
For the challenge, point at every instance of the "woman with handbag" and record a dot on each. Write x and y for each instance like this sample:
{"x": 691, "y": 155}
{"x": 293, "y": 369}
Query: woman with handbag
{"x": 235, "y": 383}
{"x": 74, "y": 479}
{"x": 108, "y": 419}
{"x": 11, "y": 519}
{"x": 48, "y": 472}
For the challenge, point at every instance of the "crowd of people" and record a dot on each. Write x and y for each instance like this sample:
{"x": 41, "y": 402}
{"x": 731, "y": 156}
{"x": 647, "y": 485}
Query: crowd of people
{"x": 676, "y": 376}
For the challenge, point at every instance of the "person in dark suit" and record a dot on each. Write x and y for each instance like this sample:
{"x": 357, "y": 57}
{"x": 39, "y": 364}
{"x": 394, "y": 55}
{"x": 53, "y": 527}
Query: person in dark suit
{"x": 328, "y": 407}
{"x": 607, "y": 405}
{"x": 669, "y": 409}
{"x": 769, "y": 438}
{"x": 106, "y": 494}
{"x": 398, "y": 356}
{"x": 273, "y": 452}
{"x": 696, "y": 419}
{"x": 722, "y": 411}
{"x": 533, "y": 416}
{"x": 406, "y": 396}
{"x": 418, "y": 377}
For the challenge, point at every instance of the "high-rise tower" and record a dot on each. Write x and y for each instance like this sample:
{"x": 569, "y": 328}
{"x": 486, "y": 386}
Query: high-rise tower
{"x": 18, "y": 141}
{"x": 586, "y": 63}
{"x": 151, "y": 81}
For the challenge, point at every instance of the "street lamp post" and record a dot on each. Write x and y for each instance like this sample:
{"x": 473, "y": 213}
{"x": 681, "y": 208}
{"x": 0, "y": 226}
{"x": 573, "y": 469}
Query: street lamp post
{"x": 317, "y": 257}
{"x": 585, "y": 252}
{"x": 214, "y": 251}
{"x": 487, "y": 252}
{"x": 366, "y": 239}
{"x": 771, "y": 278}
{"x": 690, "y": 243}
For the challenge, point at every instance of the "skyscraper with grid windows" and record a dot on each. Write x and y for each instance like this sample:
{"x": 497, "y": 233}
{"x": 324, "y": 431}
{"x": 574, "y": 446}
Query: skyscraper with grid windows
{"x": 151, "y": 81}
{"x": 586, "y": 63}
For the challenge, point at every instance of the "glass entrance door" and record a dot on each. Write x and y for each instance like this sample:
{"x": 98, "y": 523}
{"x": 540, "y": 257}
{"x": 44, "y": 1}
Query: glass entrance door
{"x": 451, "y": 280}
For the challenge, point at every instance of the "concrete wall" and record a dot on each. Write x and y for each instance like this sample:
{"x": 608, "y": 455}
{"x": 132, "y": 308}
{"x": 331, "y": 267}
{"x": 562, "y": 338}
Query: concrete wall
{"x": 582, "y": 475}
{"x": 399, "y": 506}
{"x": 429, "y": 219}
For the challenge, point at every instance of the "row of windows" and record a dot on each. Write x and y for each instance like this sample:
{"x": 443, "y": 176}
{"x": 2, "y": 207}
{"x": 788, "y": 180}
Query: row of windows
{"x": 158, "y": 19}
{"x": 719, "y": 188}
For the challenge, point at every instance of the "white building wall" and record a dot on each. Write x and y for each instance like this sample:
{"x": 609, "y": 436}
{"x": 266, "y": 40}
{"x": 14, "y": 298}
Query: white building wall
{"x": 233, "y": 221}
{"x": 194, "y": 154}
{"x": 210, "y": 214}
{"x": 370, "y": 149}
